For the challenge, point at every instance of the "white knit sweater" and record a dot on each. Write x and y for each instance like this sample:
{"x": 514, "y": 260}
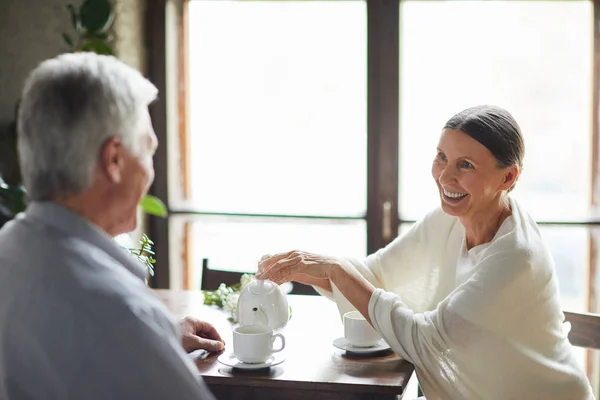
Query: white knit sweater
{"x": 479, "y": 324}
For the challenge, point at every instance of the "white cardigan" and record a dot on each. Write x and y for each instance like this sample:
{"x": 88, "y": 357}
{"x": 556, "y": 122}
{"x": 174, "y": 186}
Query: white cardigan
{"x": 479, "y": 324}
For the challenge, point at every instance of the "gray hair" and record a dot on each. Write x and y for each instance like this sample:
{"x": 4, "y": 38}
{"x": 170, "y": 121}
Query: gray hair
{"x": 70, "y": 106}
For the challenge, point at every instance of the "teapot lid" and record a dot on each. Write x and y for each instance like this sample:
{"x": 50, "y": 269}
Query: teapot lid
{"x": 261, "y": 287}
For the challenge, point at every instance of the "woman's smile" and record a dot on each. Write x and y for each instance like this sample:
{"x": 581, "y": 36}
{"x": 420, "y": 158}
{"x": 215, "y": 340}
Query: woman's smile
{"x": 453, "y": 197}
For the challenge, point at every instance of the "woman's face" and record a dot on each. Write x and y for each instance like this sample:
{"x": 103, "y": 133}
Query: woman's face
{"x": 469, "y": 180}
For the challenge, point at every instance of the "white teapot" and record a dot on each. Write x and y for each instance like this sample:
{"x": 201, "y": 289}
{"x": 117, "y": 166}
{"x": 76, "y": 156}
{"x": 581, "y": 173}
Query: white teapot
{"x": 263, "y": 303}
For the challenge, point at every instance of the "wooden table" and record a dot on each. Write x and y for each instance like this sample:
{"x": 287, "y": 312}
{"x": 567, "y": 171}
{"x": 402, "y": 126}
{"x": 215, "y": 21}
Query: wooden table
{"x": 313, "y": 367}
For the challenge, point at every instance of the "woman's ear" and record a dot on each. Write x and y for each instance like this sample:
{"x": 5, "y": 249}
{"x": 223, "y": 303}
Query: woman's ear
{"x": 111, "y": 160}
{"x": 510, "y": 177}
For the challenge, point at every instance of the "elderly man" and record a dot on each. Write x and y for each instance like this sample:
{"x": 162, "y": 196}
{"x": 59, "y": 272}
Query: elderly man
{"x": 76, "y": 319}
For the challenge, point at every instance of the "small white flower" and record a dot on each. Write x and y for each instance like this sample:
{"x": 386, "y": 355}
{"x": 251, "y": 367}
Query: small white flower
{"x": 246, "y": 279}
{"x": 230, "y": 304}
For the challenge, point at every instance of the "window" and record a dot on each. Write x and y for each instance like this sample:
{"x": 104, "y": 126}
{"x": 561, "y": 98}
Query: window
{"x": 277, "y": 128}
{"x": 285, "y": 145}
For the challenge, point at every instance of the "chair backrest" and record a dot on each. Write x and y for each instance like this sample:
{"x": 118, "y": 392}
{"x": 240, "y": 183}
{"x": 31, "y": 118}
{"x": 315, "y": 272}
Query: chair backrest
{"x": 212, "y": 278}
{"x": 300, "y": 288}
{"x": 585, "y": 329}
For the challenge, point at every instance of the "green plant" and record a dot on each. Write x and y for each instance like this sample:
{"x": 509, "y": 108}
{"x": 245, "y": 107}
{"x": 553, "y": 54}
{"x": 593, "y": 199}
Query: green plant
{"x": 92, "y": 22}
{"x": 151, "y": 205}
{"x": 144, "y": 253}
{"x": 12, "y": 201}
{"x": 226, "y": 297}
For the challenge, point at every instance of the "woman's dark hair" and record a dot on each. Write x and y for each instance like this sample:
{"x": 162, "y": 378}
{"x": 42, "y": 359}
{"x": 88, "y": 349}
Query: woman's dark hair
{"x": 494, "y": 128}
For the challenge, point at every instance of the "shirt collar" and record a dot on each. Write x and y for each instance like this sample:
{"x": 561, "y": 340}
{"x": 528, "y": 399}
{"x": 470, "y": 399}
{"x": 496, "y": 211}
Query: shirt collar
{"x": 72, "y": 224}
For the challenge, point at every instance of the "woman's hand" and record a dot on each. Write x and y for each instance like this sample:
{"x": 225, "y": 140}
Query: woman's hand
{"x": 318, "y": 270}
{"x": 299, "y": 266}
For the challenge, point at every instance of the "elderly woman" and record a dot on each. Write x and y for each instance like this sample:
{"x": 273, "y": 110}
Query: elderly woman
{"x": 469, "y": 294}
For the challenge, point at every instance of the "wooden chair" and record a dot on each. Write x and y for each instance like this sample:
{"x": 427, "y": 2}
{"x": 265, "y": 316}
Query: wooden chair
{"x": 300, "y": 288}
{"x": 585, "y": 329}
{"x": 212, "y": 278}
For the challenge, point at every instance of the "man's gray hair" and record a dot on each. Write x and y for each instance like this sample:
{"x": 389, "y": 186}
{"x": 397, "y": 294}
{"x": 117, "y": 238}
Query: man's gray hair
{"x": 70, "y": 106}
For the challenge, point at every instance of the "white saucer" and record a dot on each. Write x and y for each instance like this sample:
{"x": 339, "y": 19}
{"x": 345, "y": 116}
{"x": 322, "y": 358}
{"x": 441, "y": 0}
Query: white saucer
{"x": 231, "y": 360}
{"x": 342, "y": 344}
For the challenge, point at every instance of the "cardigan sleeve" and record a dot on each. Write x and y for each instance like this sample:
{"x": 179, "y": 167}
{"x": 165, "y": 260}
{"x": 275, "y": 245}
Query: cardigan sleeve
{"x": 406, "y": 265}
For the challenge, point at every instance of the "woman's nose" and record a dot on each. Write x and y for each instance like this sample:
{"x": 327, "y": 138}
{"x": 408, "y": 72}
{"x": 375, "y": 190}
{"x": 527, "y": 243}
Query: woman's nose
{"x": 447, "y": 175}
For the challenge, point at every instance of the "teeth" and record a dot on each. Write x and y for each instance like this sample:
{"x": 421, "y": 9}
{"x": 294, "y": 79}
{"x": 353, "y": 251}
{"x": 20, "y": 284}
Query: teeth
{"x": 453, "y": 195}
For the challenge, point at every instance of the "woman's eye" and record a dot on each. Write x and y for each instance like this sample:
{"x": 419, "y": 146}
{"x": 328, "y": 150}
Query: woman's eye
{"x": 441, "y": 156}
{"x": 466, "y": 165}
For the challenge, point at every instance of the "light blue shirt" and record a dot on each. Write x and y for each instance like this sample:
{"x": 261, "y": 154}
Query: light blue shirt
{"x": 77, "y": 320}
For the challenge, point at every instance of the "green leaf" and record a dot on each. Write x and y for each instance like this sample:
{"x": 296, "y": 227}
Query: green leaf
{"x": 147, "y": 258}
{"x": 154, "y": 206}
{"x": 97, "y": 46}
{"x": 74, "y": 16}
{"x": 17, "y": 194}
{"x": 19, "y": 203}
{"x": 68, "y": 40}
{"x": 12, "y": 197}
{"x": 96, "y": 15}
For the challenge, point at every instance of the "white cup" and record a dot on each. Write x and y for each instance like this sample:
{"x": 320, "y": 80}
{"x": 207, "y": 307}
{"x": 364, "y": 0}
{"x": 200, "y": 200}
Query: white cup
{"x": 253, "y": 344}
{"x": 358, "y": 331}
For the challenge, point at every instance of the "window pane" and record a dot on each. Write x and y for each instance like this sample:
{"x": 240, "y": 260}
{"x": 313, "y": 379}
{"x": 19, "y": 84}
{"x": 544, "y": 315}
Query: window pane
{"x": 237, "y": 243}
{"x": 458, "y": 54}
{"x": 278, "y": 107}
{"x": 570, "y": 249}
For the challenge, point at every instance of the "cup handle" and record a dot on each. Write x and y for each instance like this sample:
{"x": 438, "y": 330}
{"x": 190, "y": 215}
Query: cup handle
{"x": 278, "y": 335}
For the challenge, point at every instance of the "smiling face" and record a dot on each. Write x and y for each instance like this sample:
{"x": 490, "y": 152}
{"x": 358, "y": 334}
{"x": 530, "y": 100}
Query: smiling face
{"x": 468, "y": 177}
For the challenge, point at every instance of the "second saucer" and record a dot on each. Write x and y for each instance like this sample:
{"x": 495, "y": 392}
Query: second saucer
{"x": 343, "y": 344}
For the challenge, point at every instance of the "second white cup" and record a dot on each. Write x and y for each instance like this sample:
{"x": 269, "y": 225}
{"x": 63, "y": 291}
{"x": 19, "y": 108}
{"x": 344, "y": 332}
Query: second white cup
{"x": 358, "y": 331}
{"x": 253, "y": 344}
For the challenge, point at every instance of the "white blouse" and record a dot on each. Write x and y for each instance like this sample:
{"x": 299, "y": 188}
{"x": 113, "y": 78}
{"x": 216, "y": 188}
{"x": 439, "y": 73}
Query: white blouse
{"x": 479, "y": 324}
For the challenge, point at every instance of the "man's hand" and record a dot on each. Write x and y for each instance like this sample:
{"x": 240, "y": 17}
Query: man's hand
{"x": 198, "y": 335}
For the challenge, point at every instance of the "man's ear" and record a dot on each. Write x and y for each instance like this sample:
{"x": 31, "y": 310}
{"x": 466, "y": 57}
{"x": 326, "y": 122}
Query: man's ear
{"x": 510, "y": 177}
{"x": 111, "y": 160}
